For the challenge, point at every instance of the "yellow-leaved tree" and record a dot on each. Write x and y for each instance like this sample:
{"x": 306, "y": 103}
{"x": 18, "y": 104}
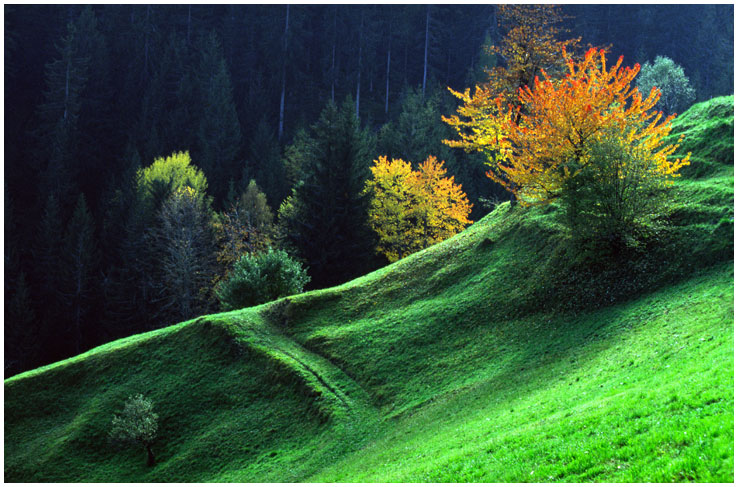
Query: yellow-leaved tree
{"x": 411, "y": 210}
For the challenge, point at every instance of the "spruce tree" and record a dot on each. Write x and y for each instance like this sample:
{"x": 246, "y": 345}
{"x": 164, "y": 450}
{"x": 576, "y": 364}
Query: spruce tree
{"x": 57, "y": 135}
{"x": 96, "y": 131}
{"x": 327, "y": 218}
{"x": 47, "y": 278}
{"x": 266, "y": 165}
{"x": 80, "y": 262}
{"x": 21, "y": 327}
{"x": 219, "y": 132}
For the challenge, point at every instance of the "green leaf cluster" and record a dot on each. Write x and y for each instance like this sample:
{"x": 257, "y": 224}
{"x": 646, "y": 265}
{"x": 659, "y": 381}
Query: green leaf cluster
{"x": 137, "y": 423}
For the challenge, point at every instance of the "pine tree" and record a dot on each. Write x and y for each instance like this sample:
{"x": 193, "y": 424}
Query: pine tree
{"x": 266, "y": 165}
{"x": 327, "y": 221}
{"x": 117, "y": 286}
{"x": 168, "y": 115}
{"x": 57, "y": 137}
{"x": 47, "y": 278}
{"x": 219, "y": 132}
{"x": 81, "y": 261}
{"x": 418, "y": 131}
{"x": 21, "y": 327}
{"x": 96, "y": 136}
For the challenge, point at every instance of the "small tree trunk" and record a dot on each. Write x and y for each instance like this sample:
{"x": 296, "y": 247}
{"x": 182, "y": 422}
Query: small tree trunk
{"x": 150, "y": 461}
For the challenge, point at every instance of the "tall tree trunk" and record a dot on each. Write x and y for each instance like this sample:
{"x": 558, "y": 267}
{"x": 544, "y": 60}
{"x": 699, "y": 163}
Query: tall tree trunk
{"x": 280, "y": 132}
{"x": 333, "y": 54}
{"x": 386, "y": 89}
{"x": 389, "y": 55}
{"x": 448, "y": 67}
{"x": 146, "y": 43}
{"x": 78, "y": 308}
{"x": 404, "y": 81}
{"x": 358, "y": 75}
{"x": 66, "y": 88}
{"x": 425, "y": 56}
{"x": 189, "y": 22}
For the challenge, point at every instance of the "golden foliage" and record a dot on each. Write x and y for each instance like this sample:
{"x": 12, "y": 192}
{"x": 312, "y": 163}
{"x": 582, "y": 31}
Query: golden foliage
{"x": 531, "y": 43}
{"x": 534, "y": 147}
{"x": 411, "y": 210}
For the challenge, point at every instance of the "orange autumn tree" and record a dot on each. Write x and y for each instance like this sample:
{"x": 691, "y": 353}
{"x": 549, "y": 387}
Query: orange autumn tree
{"x": 549, "y": 142}
{"x": 531, "y": 43}
{"x": 411, "y": 210}
{"x": 559, "y": 128}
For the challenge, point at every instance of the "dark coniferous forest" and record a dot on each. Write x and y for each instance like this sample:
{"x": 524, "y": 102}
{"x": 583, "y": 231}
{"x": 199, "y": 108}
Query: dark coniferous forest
{"x": 248, "y": 110}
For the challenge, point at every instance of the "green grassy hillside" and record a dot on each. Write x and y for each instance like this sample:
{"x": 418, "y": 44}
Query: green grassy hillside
{"x": 500, "y": 355}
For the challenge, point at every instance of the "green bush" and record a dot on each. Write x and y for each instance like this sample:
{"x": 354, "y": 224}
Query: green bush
{"x": 259, "y": 278}
{"x": 617, "y": 199}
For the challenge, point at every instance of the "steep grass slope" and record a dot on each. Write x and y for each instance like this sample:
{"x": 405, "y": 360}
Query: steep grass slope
{"x": 498, "y": 355}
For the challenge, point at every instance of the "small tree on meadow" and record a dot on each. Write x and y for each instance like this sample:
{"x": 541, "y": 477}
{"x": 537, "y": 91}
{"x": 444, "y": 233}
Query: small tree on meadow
{"x": 614, "y": 199}
{"x": 137, "y": 425}
{"x": 259, "y": 278}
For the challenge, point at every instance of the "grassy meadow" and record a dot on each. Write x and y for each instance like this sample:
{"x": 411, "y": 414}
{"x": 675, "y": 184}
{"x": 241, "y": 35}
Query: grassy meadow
{"x": 499, "y": 355}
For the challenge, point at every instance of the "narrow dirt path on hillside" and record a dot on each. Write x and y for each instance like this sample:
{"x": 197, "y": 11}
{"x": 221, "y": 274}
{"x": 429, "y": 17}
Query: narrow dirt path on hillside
{"x": 347, "y": 392}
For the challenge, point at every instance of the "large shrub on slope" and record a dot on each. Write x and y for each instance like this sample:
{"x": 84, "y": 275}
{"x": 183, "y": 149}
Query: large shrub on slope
{"x": 259, "y": 278}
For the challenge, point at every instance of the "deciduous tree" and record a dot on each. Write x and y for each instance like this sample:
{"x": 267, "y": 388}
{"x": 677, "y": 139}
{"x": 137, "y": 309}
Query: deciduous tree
{"x": 184, "y": 248}
{"x": 676, "y": 91}
{"x": 247, "y": 228}
{"x": 531, "y": 43}
{"x": 411, "y": 210}
{"x": 137, "y": 424}
{"x": 533, "y": 151}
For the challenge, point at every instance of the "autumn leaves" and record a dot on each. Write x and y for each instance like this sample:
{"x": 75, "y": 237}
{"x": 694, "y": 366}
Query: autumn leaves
{"x": 534, "y": 146}
{"x": 548, "y": 122}
{"x": 411, "y": 210}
